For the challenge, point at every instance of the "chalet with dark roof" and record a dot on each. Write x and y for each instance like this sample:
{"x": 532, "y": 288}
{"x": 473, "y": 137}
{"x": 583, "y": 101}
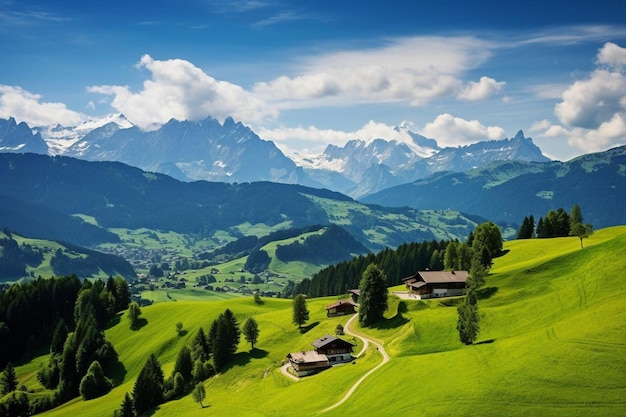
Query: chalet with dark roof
{"x": 355, "y": 293}
{"x": 435, "y": 284}
{"x": 307, "y": 363}
{"x": 337, "y": 350}
{"x": 340, "y": 308}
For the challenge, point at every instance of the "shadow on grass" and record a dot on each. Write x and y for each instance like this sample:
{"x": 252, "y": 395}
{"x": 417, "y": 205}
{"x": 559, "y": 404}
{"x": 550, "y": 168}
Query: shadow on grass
{"x": 485, "y": 342}
{"x": 114, "y": 321}
{"x": 244, "y": 358}
{"x": 395, "y": 321}
{"x": 485, "y": 293}
{"x": 308, "y": 328}
{"x": 182, "y": 333}
{"x": 118, "y": 373}
{"x": 139, "y": 324}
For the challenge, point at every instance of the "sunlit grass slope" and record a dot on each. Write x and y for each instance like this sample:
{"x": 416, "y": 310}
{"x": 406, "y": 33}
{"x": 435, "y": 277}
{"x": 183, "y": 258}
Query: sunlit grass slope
{"x": 552, "y": 342}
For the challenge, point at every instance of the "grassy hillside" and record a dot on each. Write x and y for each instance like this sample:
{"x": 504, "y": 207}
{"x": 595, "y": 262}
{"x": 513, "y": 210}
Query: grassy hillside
{"x": 553, "y": 342}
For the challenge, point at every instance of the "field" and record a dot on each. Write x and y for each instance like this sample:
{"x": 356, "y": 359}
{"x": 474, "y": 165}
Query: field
{"x": 552, "y": 342}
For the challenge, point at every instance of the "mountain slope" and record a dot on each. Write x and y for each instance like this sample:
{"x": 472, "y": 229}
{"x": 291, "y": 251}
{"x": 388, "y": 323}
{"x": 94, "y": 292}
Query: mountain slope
{"x": 19, "y": 138}
{"x": 120, "y": 196}
{"x": 508, "y": 191}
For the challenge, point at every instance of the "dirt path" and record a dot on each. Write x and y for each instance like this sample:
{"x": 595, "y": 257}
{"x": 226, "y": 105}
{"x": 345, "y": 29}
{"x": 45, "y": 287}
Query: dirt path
{"x": 366, "y": 343}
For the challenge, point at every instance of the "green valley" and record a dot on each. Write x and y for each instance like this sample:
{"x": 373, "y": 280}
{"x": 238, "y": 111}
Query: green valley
{"x": 552, "y": 342}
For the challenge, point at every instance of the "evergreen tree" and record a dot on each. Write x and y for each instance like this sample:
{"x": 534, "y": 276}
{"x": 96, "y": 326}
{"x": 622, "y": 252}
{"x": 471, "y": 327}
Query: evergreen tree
{"x": 451, "y": 258}
{"x": 575, "y": 215}
{"x": 233, "y": 333}
{"x": 221, "y": 345}
{"x": 541, "y": 230}
{"x": 200, "y": 346}
{"x": 373, "y": 299}
{"x": 148, "y": 388}
{"x": 525, "y": 230}
{"x": 251, "y": 331}
{"x": 9, "y": 379}
{"x": 468, "y": 321}
{"x": 58, "y": 337}
{"x": 183, "y": 364}
{"x": 300, "y": 310}
{"x": 126, "y": 408}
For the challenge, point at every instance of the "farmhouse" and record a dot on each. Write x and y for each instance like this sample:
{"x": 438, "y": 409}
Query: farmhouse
{"x": 329, "y": 350}
{"x": 307, "y": 363}
{"x": 340, "y": 308}
{"x": 356, "y": 293}
{"x": 337, "y": 350}
{"x": 433, "y": 284}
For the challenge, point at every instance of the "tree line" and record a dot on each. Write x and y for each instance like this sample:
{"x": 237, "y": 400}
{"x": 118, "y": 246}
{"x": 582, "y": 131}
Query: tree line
{"x": 556, "y": 223}
{"x": 15, "y": 257}
{"x": 69, "y": 317}
{"x": 405, "y": 260}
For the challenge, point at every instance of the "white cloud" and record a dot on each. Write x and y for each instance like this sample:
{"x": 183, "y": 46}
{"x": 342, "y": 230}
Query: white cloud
{"x": 27, "y": 107}
{"x": 178, "y": 89}
{"x": 612, "y": 55}
{"x": 454, "y": 131}
{"x": 481, "y": 90}
{"x": 414, "y": 70}
{"x": 593, "y": 110}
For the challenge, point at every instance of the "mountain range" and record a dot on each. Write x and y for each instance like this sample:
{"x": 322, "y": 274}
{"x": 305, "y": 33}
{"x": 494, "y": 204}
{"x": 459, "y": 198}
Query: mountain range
{"x": 231, "y": 152}
{"x": 507, "y": 191}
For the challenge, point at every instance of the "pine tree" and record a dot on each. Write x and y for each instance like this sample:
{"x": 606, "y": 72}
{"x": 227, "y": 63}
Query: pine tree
{"x": 9, "y": 379}
{"x": 126, "y": 408}
{"x": 251, "y": 331}
{"x": 183, "y": 364}
{"x": 373, "y": 299}
{"x": 134, "y": 311}
{"x": 233, "y": 333}
{"x": 58, "y": 337}
{"x": 148, "y": 388}
{"x": 300, "y": 310}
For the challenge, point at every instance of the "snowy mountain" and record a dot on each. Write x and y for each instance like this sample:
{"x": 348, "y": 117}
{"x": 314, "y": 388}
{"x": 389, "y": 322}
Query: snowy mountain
{"x": 231, "y": 152}
{"x": 61, "y": 138}
{"x": 20, "y": 138}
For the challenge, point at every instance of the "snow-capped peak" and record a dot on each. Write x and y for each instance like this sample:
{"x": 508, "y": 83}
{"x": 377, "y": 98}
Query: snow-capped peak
{"x": 60, "y": 138}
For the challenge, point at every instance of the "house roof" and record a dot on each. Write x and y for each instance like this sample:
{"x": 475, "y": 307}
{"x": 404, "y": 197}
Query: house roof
{"x": 320, "y": 343}
{"x": 340, "y": 302}
{"x": 310, "y": 356}
{"x": 437, "y": 277}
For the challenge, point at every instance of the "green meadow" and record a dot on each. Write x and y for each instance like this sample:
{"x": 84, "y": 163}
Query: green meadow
{"x": 552, "y": 342}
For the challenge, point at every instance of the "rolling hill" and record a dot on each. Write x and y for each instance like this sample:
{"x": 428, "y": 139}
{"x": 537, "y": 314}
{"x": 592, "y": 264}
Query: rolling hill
{"x": 552, "y": 342}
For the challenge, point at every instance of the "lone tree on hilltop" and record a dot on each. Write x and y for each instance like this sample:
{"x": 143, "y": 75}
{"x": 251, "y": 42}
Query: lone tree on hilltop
{"x": 577, "y": 227}
{"x": 300, "y": 310}
{"x": 251, "y": 331}
{"x": 134, "y": 311}
{"x": 373, "y": 299}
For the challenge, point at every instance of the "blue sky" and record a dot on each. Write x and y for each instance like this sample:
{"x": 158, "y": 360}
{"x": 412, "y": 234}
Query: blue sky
{"x": 305, "y": 74}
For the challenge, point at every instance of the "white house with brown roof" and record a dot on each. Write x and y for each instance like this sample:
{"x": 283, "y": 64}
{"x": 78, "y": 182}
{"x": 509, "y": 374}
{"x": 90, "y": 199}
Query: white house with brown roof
{"x": 435, "y": 284}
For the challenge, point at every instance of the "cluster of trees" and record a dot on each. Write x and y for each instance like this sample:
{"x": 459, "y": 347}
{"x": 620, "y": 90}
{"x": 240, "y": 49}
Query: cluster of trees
{"x": 14, "y": 257}
{"x": 556, "y": 223}
{"x": 69, "y": 317}
{"x": 192, "y": 367}
{"x": 485, "y": 240}
{"x": 30, "y": 312}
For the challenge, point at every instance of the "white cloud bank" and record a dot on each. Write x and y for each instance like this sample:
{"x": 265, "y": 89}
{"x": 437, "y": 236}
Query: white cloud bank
{"x": 180, "y": 90}
{"x": 27, "y": 107}
{"x": 592, "y": 111}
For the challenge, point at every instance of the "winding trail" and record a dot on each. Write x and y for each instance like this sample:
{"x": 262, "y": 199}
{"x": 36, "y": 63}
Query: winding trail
{"x": 366, "y": 343}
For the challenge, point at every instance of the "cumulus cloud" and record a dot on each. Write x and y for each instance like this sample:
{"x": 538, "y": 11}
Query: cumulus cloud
{"x": 455, "y": 131}
{"x": 592, "y": 111}
{"x": 27, "y": 107}
{"x": 481, "y": 90}
{"x": 180, "y": 90}
{"x": 415, "y": 70}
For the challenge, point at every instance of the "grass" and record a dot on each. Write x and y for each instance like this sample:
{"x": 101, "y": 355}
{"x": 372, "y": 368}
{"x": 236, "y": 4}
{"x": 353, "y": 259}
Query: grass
{"x": 552, "y": 342}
